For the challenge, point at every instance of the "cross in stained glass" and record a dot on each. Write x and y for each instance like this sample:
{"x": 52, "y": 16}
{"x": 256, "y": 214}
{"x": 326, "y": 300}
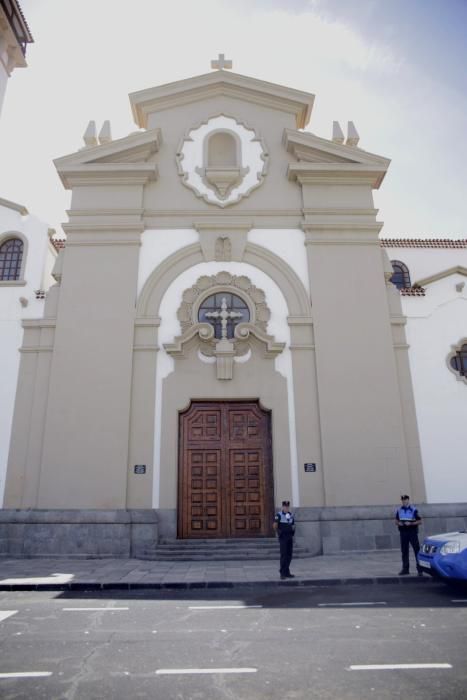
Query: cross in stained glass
{"x": 224, "y": 316}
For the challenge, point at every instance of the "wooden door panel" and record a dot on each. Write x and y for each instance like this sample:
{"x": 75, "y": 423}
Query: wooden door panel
{"x": 225, "y": 473}
{"x": 203, "y": 475}
{"x": 205, "y": 425}
{"x": 247, "y": 510}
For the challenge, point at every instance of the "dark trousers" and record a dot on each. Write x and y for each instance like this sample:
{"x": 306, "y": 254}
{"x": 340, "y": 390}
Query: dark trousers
{"x": 286, "y": 550}
{"x": 409, "y": 536}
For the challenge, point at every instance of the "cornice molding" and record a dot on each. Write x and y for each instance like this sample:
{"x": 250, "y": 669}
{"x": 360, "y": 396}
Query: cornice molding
{"x": 99, "y": 174}
{"x": 208, "y": 85}
{"x": 222, "y": 225}
{"x": 338, "y": 211}
{"x": 136, "y": 227}
{"x": 207, "y": 214}
{"x": 14, "y": 206}
{"x": 115, "y": 211}
{"x": 38, "y": 323}
{"x": 456, "y": 270}
{"x": 345, "y": 233}
{"x": 336, "y": 174}
{"x": 13, "y": 283}
{"x": 148, "y": 322}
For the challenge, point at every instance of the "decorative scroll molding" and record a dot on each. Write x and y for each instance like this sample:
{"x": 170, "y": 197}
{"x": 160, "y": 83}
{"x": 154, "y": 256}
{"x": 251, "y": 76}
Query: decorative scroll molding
{"x": 201, "y": 335}
{"x": 223, "y": 281}
{"x": 224, "y": 351}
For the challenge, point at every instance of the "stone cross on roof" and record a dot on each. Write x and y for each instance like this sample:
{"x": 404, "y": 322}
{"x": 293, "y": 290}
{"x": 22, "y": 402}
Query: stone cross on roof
{"x": 221, "y": 63}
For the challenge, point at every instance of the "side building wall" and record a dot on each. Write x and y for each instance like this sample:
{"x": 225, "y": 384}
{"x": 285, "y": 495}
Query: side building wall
{"x": 436, "y": 323}
{"x": 18, "y": 301}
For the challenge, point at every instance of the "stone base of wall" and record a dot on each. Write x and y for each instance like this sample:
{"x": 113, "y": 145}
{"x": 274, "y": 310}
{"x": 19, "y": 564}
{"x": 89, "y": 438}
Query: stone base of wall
{"x": 363, "y": 528}
{"x": 130, "y": 533}
{"x": 77, "y": 533}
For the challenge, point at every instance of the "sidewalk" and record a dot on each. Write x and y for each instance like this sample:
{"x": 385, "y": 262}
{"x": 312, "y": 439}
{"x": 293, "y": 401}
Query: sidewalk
{"x": 125, "y": 574}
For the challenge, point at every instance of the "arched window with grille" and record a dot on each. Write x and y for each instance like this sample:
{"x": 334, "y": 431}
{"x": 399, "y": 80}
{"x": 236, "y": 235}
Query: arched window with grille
{"x": 401, "y": 275}
{"x": 11, "y": 258}
{"x": 459, "y": 360}
{"x": 223, "y": 306}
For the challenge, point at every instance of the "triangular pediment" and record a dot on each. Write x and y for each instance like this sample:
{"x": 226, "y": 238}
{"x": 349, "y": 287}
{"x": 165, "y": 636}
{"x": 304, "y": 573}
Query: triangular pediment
{"x": 318, "y": 158}
{"x": 224, "y": 83}
{"x": 127, "y": 158}
{"x": 309, "y": 148}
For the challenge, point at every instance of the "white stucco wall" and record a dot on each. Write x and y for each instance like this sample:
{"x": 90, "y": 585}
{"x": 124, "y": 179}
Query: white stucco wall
{"x": 38, "y": 259}
{"x": 3, "y": 84}
{"x": 288, "y": 244}
{"x": 435, "y": 323}
{"x": 159, "y": 244}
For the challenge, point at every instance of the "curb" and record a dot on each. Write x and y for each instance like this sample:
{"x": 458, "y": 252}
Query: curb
{"x": 200, "y": 585}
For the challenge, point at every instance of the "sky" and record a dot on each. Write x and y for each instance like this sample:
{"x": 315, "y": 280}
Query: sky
{"x": 396, "y": 68}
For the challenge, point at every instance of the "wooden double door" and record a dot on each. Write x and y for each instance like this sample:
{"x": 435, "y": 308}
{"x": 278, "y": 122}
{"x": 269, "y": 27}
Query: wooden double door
{"x": 225, "y": 471}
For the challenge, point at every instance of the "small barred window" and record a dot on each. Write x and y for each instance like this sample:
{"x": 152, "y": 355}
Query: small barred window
{"x": 223, "y": 309}
{"x": 401, "y": 275}
{"x": 11, "y": 256}
{"x": 459, "y": 361}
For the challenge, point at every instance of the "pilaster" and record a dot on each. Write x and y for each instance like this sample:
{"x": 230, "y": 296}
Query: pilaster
{"x": 364, "y": 435}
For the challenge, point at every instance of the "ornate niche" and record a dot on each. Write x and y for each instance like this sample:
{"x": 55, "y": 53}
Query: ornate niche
{"x": 222, "y": 160}
{"x": 224, "y": 314}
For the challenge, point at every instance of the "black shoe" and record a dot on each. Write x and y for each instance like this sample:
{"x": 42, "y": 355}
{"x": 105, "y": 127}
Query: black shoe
{"x": 289, "y": 576}
{"x": 283, "y": 578}
{"x": 403, "y": 572}
{"x": 420, "y": 572}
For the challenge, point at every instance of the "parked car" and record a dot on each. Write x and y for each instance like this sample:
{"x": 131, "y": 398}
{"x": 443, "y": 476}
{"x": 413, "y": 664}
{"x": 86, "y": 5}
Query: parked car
{"x": 445, "y": 556}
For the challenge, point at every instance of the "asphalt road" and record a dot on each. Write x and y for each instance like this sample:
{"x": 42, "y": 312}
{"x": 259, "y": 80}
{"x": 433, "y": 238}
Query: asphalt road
{"x": 336, "y": 642}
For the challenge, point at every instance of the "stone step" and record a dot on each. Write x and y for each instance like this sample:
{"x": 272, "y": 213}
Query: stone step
{"x": 185, "y": 548}
{"x": 269, "y": 556}
{"x": 247, "y": 541}
{"x": 219, "y": 550}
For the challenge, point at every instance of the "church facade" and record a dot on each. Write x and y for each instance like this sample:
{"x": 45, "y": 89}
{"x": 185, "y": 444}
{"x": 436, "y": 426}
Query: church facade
{"x": 223, "y": 332}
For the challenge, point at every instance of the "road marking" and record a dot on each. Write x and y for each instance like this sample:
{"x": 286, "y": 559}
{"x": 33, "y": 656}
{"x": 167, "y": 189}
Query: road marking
{"x": 26, "y": 674}
{"x": 175, "y": 671}
{"x": 6, "y": 613}
{"x": 384, "y": 667}
{"x": 222, "y": 607}
{"x": 93, "y": 609}
{"x": 53, "y": 578}
{"x": 350, "y": 605}
{"x": 459, "y": 600}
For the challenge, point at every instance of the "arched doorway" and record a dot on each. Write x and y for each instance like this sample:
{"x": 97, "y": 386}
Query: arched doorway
{"x": 225, "y": 470}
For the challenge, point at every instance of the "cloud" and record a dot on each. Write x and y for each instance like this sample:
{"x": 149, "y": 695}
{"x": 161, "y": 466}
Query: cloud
{"x": 89, "y": 55}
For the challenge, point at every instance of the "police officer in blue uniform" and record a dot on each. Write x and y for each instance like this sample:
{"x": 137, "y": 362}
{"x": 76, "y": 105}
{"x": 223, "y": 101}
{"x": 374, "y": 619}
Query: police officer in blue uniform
{"x": 408, "y": 520}
{"x": 284, "y": 526}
